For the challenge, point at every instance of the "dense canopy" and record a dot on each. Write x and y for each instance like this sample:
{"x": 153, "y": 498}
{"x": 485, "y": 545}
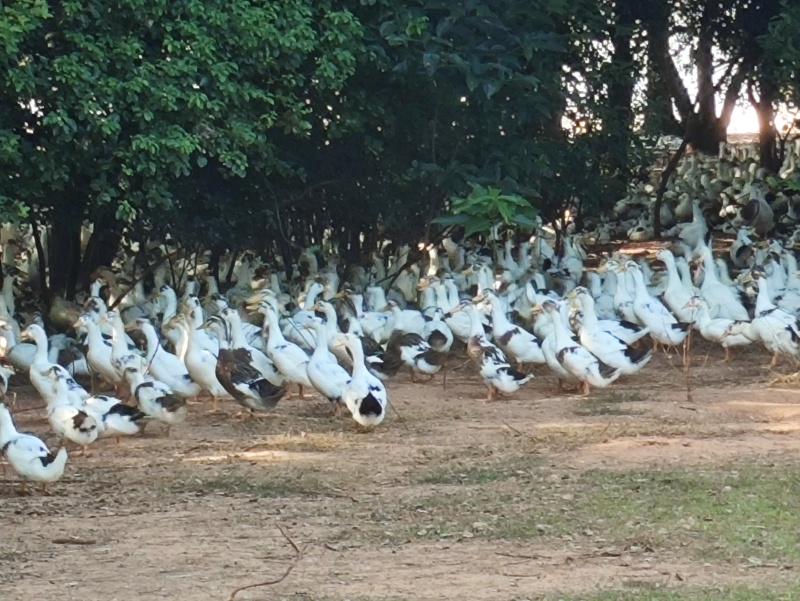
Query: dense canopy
{"x": 277, "y": 125}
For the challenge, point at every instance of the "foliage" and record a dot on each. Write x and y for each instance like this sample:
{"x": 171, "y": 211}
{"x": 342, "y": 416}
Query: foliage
{"x": 276, "y": 125}
{"x": 485, "y": 208}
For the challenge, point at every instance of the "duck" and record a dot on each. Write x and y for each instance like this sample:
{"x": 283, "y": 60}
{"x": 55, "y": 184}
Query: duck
{"x": 238, "y": 341}
{"x": 326, "y": 375}
{"x": 727, "y": 332}
{"x": 516, "y": 342}
{"x": 234, "y": 370}
{"x": 697, "y": 231}
{"x": 163, "y": 365}
{"x": 496, "y": 371}
{"x": 663, "y": 326}
{"x": 676, "y": 296}
{"x": 608, "y": 348}
{"x": 437, "y": 333}
{"x": 98, "y": 353}
{"x": 201, "y": 364}
{"x": 365, "y": 395}
{"x": 40, "y": 368}
{"x": 28, "y": 455}
{"x": 290, "y": 359}
{"x": 155, "y": 399}
{"x": 757, "y": 213}
{"x": 723, "y": 301}
{"x": 114, "y": 418}
{"x": 68, "y": 421}
{"x": 777, "y": 329}
{"x": 576, "y": 359}
{"x": 626, "y": 331}
{"x": 413, "y": 351}
{"x": 741, "y": 250}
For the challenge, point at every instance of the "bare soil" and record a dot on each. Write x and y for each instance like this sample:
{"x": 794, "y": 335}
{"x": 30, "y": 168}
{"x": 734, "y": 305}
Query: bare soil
{"x": 197, "y": 515}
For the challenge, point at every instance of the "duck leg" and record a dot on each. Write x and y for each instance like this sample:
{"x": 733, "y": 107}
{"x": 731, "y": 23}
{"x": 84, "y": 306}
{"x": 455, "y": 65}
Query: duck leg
{"x": 300, "y": 394}
{"x": 586, "y": 389}
{"x": 44, "y": 489}
{"x": 166, "y": 432}
{"x": 23, "y": 487}
{"x": 728, "y": 354}
{"x": 775, "y": 359}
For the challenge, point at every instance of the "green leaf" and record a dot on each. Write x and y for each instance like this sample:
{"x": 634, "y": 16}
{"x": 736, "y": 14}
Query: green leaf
{"x": 477, "y": 226}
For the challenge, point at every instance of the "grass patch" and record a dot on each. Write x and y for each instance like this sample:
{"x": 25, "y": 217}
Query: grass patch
{"x": 477, "y": 475}
{"x": 735, "y": 594}
{"x": 745, "y": 514}
{"x": 610, "y": 402}
{"x": 253, "y": 482}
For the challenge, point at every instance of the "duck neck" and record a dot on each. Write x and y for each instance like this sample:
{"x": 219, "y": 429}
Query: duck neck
{"x": 499, "y": 316}
{"x": 152, "y": 341}
{"x": 237, "y": 332}
{"x": 93, "y": 335}
{"x": 475, "y": 327}
{"x": 560, "y": 330}
{"x": 589, "y": 313}
{"x": 321, "y": 350}
{"x": 7, "y": 430}
{"x": 763, "y": 300}
{"x": 274, "y": 336}
{"x": 359, "y": 366}
{"x": 172, "y": 306}
{"x": 40, "y": 339}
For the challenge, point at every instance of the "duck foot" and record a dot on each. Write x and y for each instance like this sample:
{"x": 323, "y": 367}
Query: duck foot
{"x": 300, "y": 392}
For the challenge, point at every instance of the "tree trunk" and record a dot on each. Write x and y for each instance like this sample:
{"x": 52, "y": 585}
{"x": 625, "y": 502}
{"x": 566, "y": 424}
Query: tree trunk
{"x": 705, "y": 132}
{"x": 65, "y": 256}
{"x": 620, "y": 92}
{"x": 769, "y": 155}
{"x": 101, "y": 249}
{"x": 659, "y": 117}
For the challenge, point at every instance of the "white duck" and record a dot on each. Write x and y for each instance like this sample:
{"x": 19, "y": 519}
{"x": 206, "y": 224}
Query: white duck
{"x": 676, "y": 295}
{"x": 723, "y": 301}
{"x": 326, "y": 375}
{"x": 776, "y": 328}
{"x": 165, "y": 366}
{"x": 663, "y": 326}
{"x": 727, "y": 332}
{"x": 156, "y": 399}
{"x": 575, "y": 359}
{"x": 290, "y": 359}
{"x": 68, "y": 421}
{"x": 516, "y": 342}
{"x": 608, "y": 348}
{"x": 496, "y": 371}
{"x": 28, "y": 455}
{"x": 365, "y": 395}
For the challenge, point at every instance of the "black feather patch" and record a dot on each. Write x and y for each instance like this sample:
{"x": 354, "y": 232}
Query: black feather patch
{"x": 606, "y": 370}
{"x": 79, "y": 420}
{"x": 370, "y": 406}
{"x": 637, "y": 355}
{"x": 681, "y": 326}
{"x": 47, "y": 459}
{"x": 629, "y": 325}
{"x": 127, "y": 411}
{"x": 507, "y": 336}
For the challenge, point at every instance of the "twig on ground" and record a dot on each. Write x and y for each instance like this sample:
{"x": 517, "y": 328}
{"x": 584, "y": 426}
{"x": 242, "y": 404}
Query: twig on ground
{"x": 298, "y": 556}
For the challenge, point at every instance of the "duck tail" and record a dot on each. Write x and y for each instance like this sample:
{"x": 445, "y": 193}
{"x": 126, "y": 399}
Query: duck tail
{"x": 638, "y": 355}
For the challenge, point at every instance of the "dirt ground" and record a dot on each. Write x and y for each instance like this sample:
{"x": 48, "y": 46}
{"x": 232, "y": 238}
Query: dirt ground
{"x": 440, "y": 502}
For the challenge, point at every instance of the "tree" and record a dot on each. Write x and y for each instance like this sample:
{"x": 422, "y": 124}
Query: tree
{"x": 108, "y": 106}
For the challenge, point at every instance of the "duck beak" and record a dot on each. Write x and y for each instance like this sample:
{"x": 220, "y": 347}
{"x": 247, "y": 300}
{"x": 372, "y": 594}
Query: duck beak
{"x": 536, "y": 310}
